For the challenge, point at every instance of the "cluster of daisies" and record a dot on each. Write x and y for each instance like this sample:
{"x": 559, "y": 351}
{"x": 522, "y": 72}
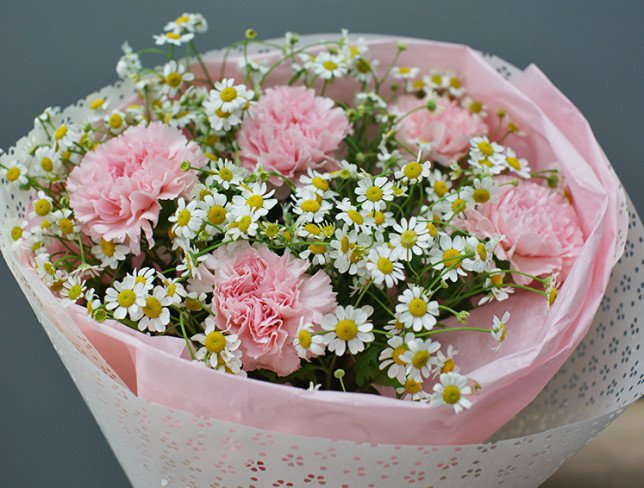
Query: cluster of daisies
{"x": 351, "y": 187}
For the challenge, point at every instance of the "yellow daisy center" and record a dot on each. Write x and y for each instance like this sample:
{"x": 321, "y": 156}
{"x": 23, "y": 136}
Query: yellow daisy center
{"x": 66, "y": 226}
{"x": 215, "y": 342}
{"x": 420, "y": 359}
{"x": 412, "y": 386}
{"x": 475, "y": 107}
{"x": 497, "y": 280}
{"x": 226, "y": 174}
{"x": 60, "y": 132}
{"x": 458, "y": 205}
{"x": 452, "y": 258}
{"x": 432, "y": 229}
{"x": 126, "y": 298}
{"x": 13, "y": 174}
{"x": 228, "y": 94}
{"x": 346, "y": 329}
{"x": 378, "y": 217}
{"x": 244, "y": 223}
{"x": 75, "y": 292}
{"x": 513, "y": 163}
{"x": 408, "y": 238}
{"x": 16, "y": 233}
{"x": 47, "y": 164}
{"x": 396, "y": 353}
{"x": 221, "y": 114}
{"x": 481, "y": 251}
{"x": 116, "y": 121}
{"x": 355, "y": 216}
{"x": 304, "y": 337}
{"x": 216, "y": 214}
{"x": 448, "y": 366}
{"x": 440, "y": 188}
{"x": 184, "y": 217}
{"x": 312, "y": 229}
{"x": 485, "y": 148}
{"x": 108, "y": 247}
{"x": 310, "y": 206}
{"x": 455, "y": 83}
{"x": 385, "y": 266}
{"x": 552, "y": 296}
{"x": 152, "y": 308}
{"x": 417, "y": 307}
{"x": 413, "y": 170}
{"x": 374, "y": 194}
{"x": 173, "y": 36}
{"x": 345, "y": 244}
{"x": 363, "y": 66}
{"x": 97, "y": 103}
{"x": 320, "y": 183}
{"x": 317, "y": 248}
{"x": 42, "y": 207}
{"x": 330, "y": 65}
{"x": 174, "y": 79}
{"x": 451, "y": 394}
{"x": 255, "y": 201}
{"x": 481, "y": 195}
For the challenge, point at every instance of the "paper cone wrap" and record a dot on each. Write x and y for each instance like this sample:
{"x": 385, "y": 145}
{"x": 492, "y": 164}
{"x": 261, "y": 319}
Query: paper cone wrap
{"x": 211, "y": 433}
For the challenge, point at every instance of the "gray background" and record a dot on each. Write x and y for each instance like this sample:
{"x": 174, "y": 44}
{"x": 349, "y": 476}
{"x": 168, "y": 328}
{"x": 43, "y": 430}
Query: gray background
{"x": 53, "y": 53}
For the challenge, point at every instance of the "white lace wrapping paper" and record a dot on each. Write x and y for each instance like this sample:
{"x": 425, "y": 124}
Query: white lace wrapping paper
{"x": 159, "y": 446}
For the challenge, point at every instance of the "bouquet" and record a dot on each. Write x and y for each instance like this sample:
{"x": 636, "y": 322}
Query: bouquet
{"x": 338, "y": 230}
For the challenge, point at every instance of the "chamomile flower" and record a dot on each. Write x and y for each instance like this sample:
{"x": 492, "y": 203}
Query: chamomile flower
{"x": 456, "y": 203}
{"x": 126, "y": 298}
{"x": 174, "y": 76}
{"x": 187, "y": 219}
{"x": 228, "y": 97}
{"x": 391, "y": 357}
{"x": 404, "y": 72}
{"x": 243, "y": 224}
{"x": 174, "y": 290}
{"x": 190, "y": 260}
{"x": 475, "y": 107}
{"x": 486, "y": 155}
{"x": 451, "y": 257}
{"x": 350, "y": 215}
{"x": 516, "y": 165}
{"x": 42, "y": 206}
{"x": 255, "y": 197}
{"x": 383, "y": 266}
{"x": 373, "y": 194}
{"x": 213, "y": 207}
{"x": 92, "y": 302}
{"x": 445, "y": 361}
{"x": 17, "y": 231}
{"x": 220, "y": 120}
{"x": 348, "y": 327}
{"x": 328, "y": 66}
{"x": 317, "y": 253}
{"x": 483, "y": 190}
{"x": 73, "y": 290}
{"x": 110, "y": 253}
{"x": 415, "y": 310}
{"x": 309, "y": 205}
{"x": 499, "y": 327}
{"x": 15, "y": 172}
{"x": 413, "y": 172}
{"x": 348, "y": 250}
{"x": 116, "y": 121}
{"x": 66, "y": 135}
{"x": 437, "y": 80}
{"x": 188, "y": 22}
{"x": 455, "y": 86}
{"x": 307, "y": 343}
{"x": 145, "y": 276}
{"x": 412, "y": 390}
{"x": 410, "y": 238}
{"x": 494, "y": 285}
{"x": 48, "y": 161}
{"x": 319, "y": 182}
{"x": 418, "y": 358}
{"x": 220, "y": 351}
{"x": 451, "y": 391}
{"x": 129, "y": 64}
{"x": 394, "y": 326}
{"x": 64, "y": 224}
{"x": 483, "y": 252}
{"x": 225, "y": 173}
{"x": 552, "y": 289}
{"x": 174, "y": 38}
{"x": 438, "y": 186}
{"x": 156, "y": 315}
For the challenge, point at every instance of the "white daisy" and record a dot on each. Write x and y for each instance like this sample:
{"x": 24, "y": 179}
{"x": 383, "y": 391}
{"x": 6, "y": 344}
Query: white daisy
{"x": 404, "y": 72}
{"x": 145, "y": 276}
{"x": 383, "y": 266}
{"x": 415, "y": 310}
{"x": 228, "y": 97}
{"x": 190, "y": 260}
{"x": 350, "y": 215}
{"x": 156, "y": 315}
{"x": 174, "y": 38}
{"x": 92, "y": 302}
{"x": 15, "y": 172}
{"x": 412, "y": 390}
{"x": 413, "y": 172}
{"x": 319, "y": 181}
{"x": 48, "y": 160}
{"x": 486, "y": 155}
{"x": 129, "y": 64}
{"x": 307, "y": 343}
{"x": 213, "y": 207}
{"x": 174, "y": 290}
{"x": 494, "y": 286}
{"x": 411, "y": 238}
{"x": 499, "y": 327}
{"x": 438, "y": 186}
{"x": 483, "y": 252}
{"x": 174, "y": 76}
{"x": 110, "y": 253}
{"x": 116, "y": 122}
{"x": 225, "y": 173}
{"x": 483, "y": 190}
{"x": 255, "y": 197}
{"x": 348, "y": 327}
{"x": 244, "y": 224}
{"x": 187, "y": 219}
{"x": 64, "y": 224}
{"x": 516, "y": 165}
{"x": 451, "y": 391}
{"x": 445, "y": 361}
{"x": 221, "y": 351}
{"x": 328, "y": 66}
{"x": 348, "y": 250}
{"x": 73, "y": 290}
{"x": 374, "y": 194}
{"x": 391, "y": 357}
{"x": 126, "y": 298}
{"x": 317, "y": 253}
{"x": 451, "y": 257}
{"x": 419, "y": 359}
{"x": 309, "y": 205}
{"x": 42, "y": 206}
{"x": 187, "y": 22}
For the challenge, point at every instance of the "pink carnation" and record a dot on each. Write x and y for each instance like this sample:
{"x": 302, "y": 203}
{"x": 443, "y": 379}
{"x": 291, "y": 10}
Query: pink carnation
{"x": 116, "y": 190}
{"x": 541, "y": 230}
{"x": 261, "y": 296}
{"x": 448, "y": 128}
{"x": 291, "y": 131}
